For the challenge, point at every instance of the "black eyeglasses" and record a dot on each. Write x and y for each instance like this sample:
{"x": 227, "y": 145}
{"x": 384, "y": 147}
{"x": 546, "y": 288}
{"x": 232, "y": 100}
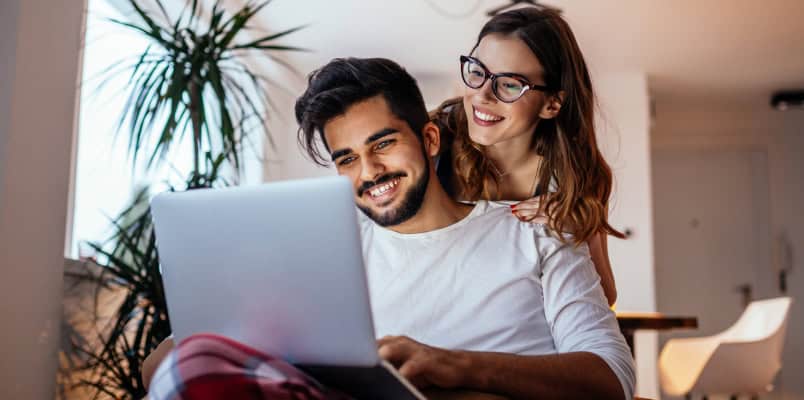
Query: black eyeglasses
{"x": 507, "y": 87}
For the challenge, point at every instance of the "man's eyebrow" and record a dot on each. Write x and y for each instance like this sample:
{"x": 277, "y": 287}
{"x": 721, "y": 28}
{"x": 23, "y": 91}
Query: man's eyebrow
{"x": 340, "y": 153}
{"x": 379, "y": 135}
{"x": 373, "y": 138}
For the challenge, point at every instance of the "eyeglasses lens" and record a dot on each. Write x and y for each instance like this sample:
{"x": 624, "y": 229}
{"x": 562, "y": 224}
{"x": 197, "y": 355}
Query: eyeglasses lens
{"x": 473, "y": 74}
{"x": 507, "y": 88}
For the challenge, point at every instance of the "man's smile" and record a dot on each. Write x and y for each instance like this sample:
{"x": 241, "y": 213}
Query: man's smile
{"x": 382, "y": 193}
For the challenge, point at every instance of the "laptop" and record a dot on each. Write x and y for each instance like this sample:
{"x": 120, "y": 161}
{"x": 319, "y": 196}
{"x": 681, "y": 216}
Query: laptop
{"x": 278, "y": 267}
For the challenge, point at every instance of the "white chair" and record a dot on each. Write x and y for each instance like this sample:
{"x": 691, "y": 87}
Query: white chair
{"x": 743, "y": 359}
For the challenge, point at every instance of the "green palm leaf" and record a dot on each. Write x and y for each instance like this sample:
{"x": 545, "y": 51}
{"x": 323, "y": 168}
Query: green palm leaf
{"x": 188, "y": 81}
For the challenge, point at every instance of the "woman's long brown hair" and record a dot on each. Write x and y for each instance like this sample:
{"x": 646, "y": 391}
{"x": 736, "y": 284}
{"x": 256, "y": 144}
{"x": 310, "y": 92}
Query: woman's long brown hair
{"x": 582, "y": 179}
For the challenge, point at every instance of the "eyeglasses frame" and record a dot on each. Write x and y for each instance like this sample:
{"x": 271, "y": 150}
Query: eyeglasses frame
{"x": 488, "y": 75}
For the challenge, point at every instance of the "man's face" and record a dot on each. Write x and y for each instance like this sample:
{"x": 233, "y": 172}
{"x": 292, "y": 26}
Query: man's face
{"x": 384, "y": 159}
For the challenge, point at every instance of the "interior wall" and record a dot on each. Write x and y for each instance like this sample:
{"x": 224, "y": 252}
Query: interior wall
{"x": 39, "y": 63}
{"x": 624, "y": 138}
{"x": 9, "y": 11}
{"x": 682, "y": 124}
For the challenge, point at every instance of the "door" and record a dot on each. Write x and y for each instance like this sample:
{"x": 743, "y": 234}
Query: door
{"x": 712, "y": 234}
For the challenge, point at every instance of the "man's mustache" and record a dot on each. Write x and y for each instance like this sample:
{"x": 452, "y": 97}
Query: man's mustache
{"x": 366, "y": 185}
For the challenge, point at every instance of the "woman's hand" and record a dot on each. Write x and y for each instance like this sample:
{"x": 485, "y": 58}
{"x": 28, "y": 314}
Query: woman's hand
{"x": 529, "y": 210}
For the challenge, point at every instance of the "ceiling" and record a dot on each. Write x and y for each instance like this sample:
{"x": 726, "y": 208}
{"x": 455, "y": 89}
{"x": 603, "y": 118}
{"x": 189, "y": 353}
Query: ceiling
{"x": 689, "y": 49}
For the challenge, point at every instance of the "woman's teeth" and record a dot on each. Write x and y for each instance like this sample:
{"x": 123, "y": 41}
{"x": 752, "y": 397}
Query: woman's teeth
{"x": 486, "y": 117}
{"x": 380, "y": 190}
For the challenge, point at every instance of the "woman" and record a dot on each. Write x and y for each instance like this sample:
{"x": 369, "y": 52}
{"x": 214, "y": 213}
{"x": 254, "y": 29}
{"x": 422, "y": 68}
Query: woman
{"x": 524, "y": 131}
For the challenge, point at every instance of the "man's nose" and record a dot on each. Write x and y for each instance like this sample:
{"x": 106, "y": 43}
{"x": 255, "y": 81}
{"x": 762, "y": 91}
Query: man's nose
{"x": 371, "y": 169}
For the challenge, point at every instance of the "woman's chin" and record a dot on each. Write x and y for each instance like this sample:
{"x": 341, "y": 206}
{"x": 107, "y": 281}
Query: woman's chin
{"x": 482, "y": 138}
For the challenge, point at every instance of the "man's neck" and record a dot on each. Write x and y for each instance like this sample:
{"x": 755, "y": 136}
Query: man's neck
{"x": 438, "y": 211}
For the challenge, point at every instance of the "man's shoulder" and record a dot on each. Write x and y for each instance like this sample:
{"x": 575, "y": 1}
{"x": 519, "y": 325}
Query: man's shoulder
{"x": 493, "y": 208}
{"x": 497, "y": 222}
{"x": 499, "y": 212}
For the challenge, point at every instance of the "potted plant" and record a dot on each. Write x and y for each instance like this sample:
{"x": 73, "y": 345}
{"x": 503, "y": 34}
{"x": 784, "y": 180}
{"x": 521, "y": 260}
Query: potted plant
{"x": 192, "y": 79}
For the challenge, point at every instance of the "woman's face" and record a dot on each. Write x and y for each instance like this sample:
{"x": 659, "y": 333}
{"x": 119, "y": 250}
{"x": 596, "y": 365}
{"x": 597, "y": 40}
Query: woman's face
{"x": 492, "y": 121}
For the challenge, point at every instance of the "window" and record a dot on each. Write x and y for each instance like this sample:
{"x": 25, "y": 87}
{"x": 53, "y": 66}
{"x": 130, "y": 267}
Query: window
{"x": 105, "y": 180}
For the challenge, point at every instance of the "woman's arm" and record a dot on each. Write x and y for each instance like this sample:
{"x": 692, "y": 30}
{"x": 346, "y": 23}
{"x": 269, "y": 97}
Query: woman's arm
{"x": 529, "y": 210}
{"x": 599, "y": 249}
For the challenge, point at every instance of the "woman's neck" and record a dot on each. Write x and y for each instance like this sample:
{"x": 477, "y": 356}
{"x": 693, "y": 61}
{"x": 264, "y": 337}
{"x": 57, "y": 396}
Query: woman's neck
{"x": 517, "y": 167}
{"x": 512, "y": 154}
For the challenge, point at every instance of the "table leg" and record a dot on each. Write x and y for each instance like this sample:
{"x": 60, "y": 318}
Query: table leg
{"x": 629, "y": 339}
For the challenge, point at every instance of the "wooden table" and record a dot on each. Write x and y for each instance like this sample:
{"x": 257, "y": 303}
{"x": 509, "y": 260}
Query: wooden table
{"x": 454, "y": 394}
{"x": 630, "y": 322}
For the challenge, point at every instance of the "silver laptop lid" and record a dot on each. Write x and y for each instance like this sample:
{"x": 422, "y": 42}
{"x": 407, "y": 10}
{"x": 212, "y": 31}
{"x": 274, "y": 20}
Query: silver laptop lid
{"x": 278, "y": 267}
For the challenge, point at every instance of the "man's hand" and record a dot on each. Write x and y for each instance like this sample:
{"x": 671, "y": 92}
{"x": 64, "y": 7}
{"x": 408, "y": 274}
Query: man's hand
{"x": 425, "y": 366}
{"x": 153, "y": 360}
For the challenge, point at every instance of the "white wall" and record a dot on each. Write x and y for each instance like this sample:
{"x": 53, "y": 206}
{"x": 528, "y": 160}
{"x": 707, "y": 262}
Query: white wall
{"x": 8, "y": 30}
{"x": 624, "y": 138}
{"x": 685, "y": 124}
{"x": 39, "y": 71}
{"x": 623, "y": 134}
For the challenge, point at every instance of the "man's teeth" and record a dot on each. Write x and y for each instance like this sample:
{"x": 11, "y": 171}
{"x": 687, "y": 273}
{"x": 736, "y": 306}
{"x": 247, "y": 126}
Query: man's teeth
{"x": 487, "y": 117}
{"x": 379, "y": 190}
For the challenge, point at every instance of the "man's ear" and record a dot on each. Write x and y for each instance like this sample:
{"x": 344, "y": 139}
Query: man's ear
{"x": 552, "y": 106}
{"x": 431, "y": 137}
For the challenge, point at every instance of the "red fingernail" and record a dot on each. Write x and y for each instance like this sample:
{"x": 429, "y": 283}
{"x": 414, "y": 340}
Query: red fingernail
{"x": 513, "y": 206}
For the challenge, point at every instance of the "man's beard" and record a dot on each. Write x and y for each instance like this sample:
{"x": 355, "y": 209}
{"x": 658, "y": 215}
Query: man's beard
{"x": 411, "y": 202}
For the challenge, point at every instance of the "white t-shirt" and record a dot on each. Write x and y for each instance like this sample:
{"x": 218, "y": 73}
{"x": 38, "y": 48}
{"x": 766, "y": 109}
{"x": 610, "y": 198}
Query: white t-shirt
{"x": 492, "y": 283}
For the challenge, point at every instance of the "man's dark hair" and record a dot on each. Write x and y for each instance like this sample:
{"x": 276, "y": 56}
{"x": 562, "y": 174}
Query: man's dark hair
{"x": 333, "y": 88}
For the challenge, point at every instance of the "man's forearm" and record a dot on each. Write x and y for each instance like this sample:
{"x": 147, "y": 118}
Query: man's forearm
{"x": 578, "y": 375}
{"x": 153, "y": 360}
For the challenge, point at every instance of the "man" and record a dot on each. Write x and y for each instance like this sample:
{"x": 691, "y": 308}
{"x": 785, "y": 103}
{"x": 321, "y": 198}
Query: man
{"x": 463, "y": 296}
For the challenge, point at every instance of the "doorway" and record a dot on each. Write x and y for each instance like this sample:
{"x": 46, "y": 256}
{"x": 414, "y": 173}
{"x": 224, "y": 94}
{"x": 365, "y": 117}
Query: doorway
{"x": 712, "y": 234}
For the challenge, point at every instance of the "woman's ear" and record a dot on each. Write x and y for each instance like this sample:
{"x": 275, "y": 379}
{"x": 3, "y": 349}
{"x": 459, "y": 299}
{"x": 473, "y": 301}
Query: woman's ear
{"x": 553, "y": 105}
{"x": 431, "y": 137}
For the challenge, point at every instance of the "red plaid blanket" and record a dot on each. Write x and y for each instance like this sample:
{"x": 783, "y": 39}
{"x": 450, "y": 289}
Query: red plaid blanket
{"x": 207, "y": 367}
